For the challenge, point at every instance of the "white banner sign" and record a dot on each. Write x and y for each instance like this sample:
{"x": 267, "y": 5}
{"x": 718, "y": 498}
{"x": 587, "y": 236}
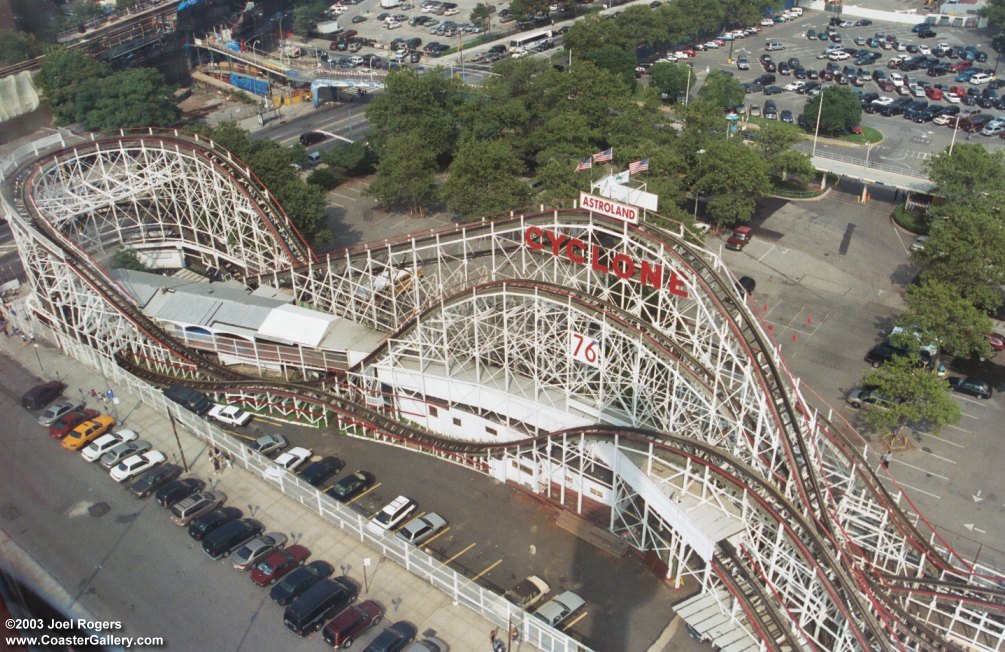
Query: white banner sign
{"x": 584, "y": 348}
{"x": 604, "y": 206}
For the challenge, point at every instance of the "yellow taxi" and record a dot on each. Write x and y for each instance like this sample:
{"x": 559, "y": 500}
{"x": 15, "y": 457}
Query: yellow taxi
{"x": 87, "y": 432}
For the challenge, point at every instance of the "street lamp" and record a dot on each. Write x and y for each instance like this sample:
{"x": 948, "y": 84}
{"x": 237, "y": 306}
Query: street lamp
{"x": 39, "y": 358}
{"x": 816, "y": 132}
{"x": 253, "y": 44}
{"x": 697, "y": 168}
{"x": 868, "y": 149}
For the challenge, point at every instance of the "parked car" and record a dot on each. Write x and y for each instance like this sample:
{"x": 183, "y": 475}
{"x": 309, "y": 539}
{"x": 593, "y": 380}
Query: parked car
{"x": 421, "y": 528}
{"x": 308, "y": 613}
{"x": 317, "y": 472}
{"x": 560, "y": 608}
{"x": 39, "y": 396}
{"x": 153, "y": 479}
{"x": 428, "y": 644}
{"x": 177, "y": 490}
{"x": 56, "y": 410}
{"x": 64, "y": 424}
{"x": 200, "y": 527}
{"x": 351, "y": 486}
{"x": 230, "y": 536}
{"x": 132, "y": 466}
{"x": 269, "y": 445}
{"x": 93, "y": 451}
{"x": 859, "y": 396}
{"x": 739, "y": 239}
{"x": 278, "y": 564}
{"x": 884, "y": 352}
{"x": 394, "y": 638}
{"x": 257, "y": 549}
{"x": 292, "y": 458}
{"x": 87, "y": 432}
{"x": 528, "y": 592}
{"x": 230, "y": 415}
{"x": 299, "y": 580}
{"x": 347, "y": 626}
{"x": 972, "y": 386}
{"x": 392, "y": 514}
{"x": 123, "y": 451}
{"x": 188, "y": 509}
{"x": 996, "y": 341}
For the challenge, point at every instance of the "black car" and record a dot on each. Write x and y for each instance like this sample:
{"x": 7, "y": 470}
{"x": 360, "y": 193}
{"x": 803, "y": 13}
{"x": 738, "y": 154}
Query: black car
{"x": 230, "y": 536}
{"x": 867, "y": 98}
{"x": 773, "y": 90}
{"x": 177, "y": 490}
{"x": 927, "y": 34}
{"x": 299, "y": 580}
{"x": 799, "y": 72}
{"x": 153, "y": 479}
{"x": 770, "y": 67}
{"x": 209, "y": 521}
{"x": 318, "y": 472}
{"x": 884, "y": 352}
{"x": 787, "y": 116}
{"x": 863, "y": 22}
{"x": 784, "y": 68}
{"x": 766, "y": 80}
{"x": 350, "y": 486}
{"x": 39, "y": 396}
{"x": 311, "y": 137}
{"x": 394, "y": 638}
{"x": 972, "y": 386}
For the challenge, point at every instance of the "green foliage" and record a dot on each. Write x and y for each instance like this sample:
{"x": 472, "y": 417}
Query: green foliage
{"x": 734, "y": 176}
{"x": 955, "y": 322}
{"x": 616, "y": 60}
{"x": 351, "y": 159}
{"x": 18, "y": 46}
{"x": 126, "y": 258}
{"x": 994, "y": 11}
{"x": 966, "y": 251}
{"x": 79, "y": 12}
{"x": 481, "y": 15}
{"x": 306, "y": 16}
{"x": 841, "y": 109}
{"x": 485, "y": 178}
{"x": 137, "y": 97}
{"x": 970, "y": 175}
{"x": 775, "y": 141}
{"x": 324, "y": 178}
{"x": 422, "y": 104}
{"x": 405, "y": 173}
{"x": 671, "y": 78}
{"x": 925, "y": 398}
{"x": 62, "y": 73}
{"x": 721, "y": 90}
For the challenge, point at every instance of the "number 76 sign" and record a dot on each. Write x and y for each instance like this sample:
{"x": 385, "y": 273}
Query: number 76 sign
{"x": 584, "y": 348}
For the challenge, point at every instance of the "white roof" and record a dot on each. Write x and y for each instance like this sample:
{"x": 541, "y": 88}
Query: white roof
{"x": 289, "y": 324}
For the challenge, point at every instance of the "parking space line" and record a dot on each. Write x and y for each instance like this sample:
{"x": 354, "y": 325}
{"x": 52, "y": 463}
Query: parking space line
{"x": 920, "y": 491}
{"x": 574, "y": 621}
{"x": 447, "y": 561}
{"x": 972, "y": 400}
{"x": 959, "y": 428}
{"x": 345, "y": 197}
{"x": 939, "y": 457}
{"x": 498, "y": 561}
{"x": 925, "y": 471}
{"x": 772, "y": 248}
{"x": 436, "y": 536}
{"x": 363, "y": 494}
{"x": 941, "y": 439}
{"x": 969, "y": 416}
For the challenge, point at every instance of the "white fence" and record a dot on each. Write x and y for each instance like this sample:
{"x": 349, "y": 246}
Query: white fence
{"x": 906, "y": 17}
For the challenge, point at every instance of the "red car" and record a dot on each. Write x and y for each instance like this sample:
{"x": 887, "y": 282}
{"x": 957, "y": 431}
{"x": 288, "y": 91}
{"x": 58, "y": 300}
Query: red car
{"x": 62, "y": 426}
{"x": 961, "y": 66}
{"x": 996, "y": 341}
{"x": 933, "y": 93}
{"x": 275, "y": 566}
{"x": 741, "y": 236}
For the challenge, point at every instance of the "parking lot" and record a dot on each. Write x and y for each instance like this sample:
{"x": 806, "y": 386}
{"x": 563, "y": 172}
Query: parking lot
{"x": 905, "y": 142}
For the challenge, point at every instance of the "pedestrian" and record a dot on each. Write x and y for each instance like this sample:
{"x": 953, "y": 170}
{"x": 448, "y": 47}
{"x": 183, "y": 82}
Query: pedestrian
{"x": 216, "y": 464}
{"x": 94, "y": 393}
{"x": 514, "y": 634}
{"x": 885, "y": 459}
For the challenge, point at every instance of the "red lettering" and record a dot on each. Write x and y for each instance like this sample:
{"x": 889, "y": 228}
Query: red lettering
{"x": 532, "y": 236}
{"x": 676, "y": 285}
{"x": 595, "y": 260}
{"x": 574, "y": 249}
{"x": 624, "y": 267}
{"x": 652, "y": 275}
{"x": 556, "y": 240}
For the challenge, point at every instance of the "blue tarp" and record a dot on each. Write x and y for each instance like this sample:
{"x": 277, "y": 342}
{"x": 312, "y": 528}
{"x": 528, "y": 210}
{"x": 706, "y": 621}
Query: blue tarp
{"x": 233, "y": 45}
{"x": 185, "y": 4}
{"x": 256, "y": 86}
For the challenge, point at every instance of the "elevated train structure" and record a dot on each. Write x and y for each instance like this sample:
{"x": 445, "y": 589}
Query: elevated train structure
{"x": 614, "y": 368}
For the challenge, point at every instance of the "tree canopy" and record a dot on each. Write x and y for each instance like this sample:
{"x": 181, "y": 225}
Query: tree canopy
{"x": 841, "y": 109}
{"x": 674, "y": 79}
{"x": 405, "y": 173}
{"x": 485, "y": 178}
{"x": 18, "y": 46}
{"x": 918, "y": 398}
{"x": 969, "y": 175}
{"x": 959, "y": 326}
{"x": 721, "y": 89}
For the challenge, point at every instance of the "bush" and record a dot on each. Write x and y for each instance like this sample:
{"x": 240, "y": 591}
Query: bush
{"x": 915, "y": 221}
{"x": 324, "y": 178}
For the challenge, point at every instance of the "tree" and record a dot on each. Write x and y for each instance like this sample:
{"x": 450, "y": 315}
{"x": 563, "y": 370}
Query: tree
{"x": 721, "y": 90}
{"x": 485, "y": 178}
{"x": 137, "y": 97}
{"x": 81, "y": 11}
{"x": 423, "y": 104}
{"x": 994, "y": 11}
{"x": 966, "y": 251}
{"x": 674, "y": 79}
{"x": 481, "y": 15}
{"x": 734, "y": 176}
{"x": 916, "y": 396}
{"x": 324, "y": 178}
{"x": 590, "y": 33}
{"x": 841, "y": 111}
{"x": 351, "y": 159}
{"x": 62, "y": 72}
{"x": 775, "y": 141}
{"x": 616, "y": 60}
{"x": 18, "y": 46}
{"x": 967, "y": 174}
{"x": 405, "y": 173}
{"x": 958, "y": 325}
{"x": 306, "y": 16}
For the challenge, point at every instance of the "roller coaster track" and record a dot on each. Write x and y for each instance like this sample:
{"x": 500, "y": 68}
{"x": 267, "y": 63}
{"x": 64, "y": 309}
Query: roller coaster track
{"x": 845, "y": 571}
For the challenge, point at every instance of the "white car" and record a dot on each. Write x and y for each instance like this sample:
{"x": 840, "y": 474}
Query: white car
{"x": 393, "y": 513}
{"x": 952, "y": 98}
{"x": 230, "y": 415}
{"x": 980, "y": 78}
{"x": 917, "y": 91}
{"x": 924, "y": 49}
{"x": 883, "y": 101}
{"x": 293, "y": 458}
{"x": 93, "y": 451}
{"x": 339, "y": 9}
{"x": 136, "y": 464}
{"x": 767, "y": 22}
{"x": 839, "y": 56}
{"x": 795, "y": 86}
{"x": 942, "y": 119}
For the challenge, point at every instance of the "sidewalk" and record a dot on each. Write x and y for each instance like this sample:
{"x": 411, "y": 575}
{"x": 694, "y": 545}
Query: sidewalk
{"x": 404, "y": 595}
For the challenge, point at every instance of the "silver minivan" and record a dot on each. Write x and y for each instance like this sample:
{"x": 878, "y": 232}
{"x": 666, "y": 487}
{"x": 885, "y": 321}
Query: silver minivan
{"x": 196, "y": 505}
{"x": 774, "y": 45}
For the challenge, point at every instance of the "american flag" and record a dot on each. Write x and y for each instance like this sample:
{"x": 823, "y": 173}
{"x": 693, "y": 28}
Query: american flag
{"x": 585, "y": 164}
{"x": 604, "y": 156}
{"x": 639, "y": 166}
